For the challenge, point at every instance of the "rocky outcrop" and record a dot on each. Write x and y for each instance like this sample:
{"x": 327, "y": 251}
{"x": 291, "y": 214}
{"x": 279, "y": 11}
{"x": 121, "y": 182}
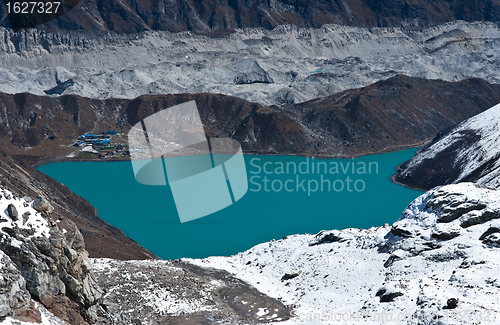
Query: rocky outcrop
{"x": 45, "y": 259}
{"x": 467, "y": 153}
{"x": 252, "y": 73}
{"x": 13, "y": 292}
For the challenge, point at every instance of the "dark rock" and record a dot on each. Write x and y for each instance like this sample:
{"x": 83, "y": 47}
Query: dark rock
{"x": 26, "y": 216}
{"x": 58, "y": 90}
{"x": 289, "y": 276}
{"x": 432, "y": 245}
{"x": 328, "y": 238}
{"x": 452, "y": 303}
{"x": 492, "y": 240}
{"x": 28, "y": 314}
{"x": 400, "y": 232}
{"x": 66, "y": 309}
{"x": 487, "y": 215}
{"x": 421, "y": 300}
{"x": 446, "y": 235}
{"x": 386, "y": 296}
{"x": 12, "y": 212}
{"x": 390, "y": 297}
{"x": 391, "y": 260}
{"x": 491, "y": 230}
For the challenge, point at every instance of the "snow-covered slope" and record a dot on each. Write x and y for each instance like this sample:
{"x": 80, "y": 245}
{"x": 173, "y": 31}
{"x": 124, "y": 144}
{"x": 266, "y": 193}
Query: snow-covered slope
{"x": 299, "y": 64}
{"x": 469, "y": 152}
{"x": 444, "y": 249}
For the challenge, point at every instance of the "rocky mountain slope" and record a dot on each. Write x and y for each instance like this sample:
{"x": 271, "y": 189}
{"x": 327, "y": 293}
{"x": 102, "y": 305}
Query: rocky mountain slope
{"x": 395, "y": 113}
{"x": 389, "y": 115}
{"x": 298, "y": 64}
{"x": 43, "y": 259}
{"x": 437, "y": 262}
{"x": 101, "y": 239}
{"x": 133, "y": 16}
{"x": 467, "y": 153}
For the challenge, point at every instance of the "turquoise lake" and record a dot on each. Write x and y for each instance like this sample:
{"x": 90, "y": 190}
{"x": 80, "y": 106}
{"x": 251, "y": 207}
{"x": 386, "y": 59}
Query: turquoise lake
{"x": 280, "y": 201}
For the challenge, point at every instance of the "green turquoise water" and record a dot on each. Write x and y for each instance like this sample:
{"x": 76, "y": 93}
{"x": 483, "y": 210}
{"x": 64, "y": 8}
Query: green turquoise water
{"x": 280, "y": 201}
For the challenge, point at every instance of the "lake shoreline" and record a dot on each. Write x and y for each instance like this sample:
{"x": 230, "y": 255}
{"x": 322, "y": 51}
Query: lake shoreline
{"x": 288, "y": 196}
{"x": 249, "y": 153}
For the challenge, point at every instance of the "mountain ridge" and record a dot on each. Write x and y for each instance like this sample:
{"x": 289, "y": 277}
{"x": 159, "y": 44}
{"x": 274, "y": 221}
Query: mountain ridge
{"x": 465, "y": 153}
{"x": 216, "y": 17}
{"x": 344, "y": 125}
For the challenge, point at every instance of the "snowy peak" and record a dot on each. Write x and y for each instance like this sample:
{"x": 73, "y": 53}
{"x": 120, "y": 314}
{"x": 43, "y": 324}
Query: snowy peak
{"x": 468, "y": 152}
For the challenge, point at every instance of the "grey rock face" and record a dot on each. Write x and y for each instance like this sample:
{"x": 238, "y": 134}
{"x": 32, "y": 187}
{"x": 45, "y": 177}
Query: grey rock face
{"x": 13, "y": 293}
{"x": 304, "y": 64}
{"x": 49, "y": 263}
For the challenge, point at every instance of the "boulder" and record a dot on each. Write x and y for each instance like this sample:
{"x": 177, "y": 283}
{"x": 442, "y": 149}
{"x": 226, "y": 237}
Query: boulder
{"x": 12, "y": 211}
{"x": 252, "y": 73}
{"x": 452, "y": 303}
{"x": 41, "y": 205}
